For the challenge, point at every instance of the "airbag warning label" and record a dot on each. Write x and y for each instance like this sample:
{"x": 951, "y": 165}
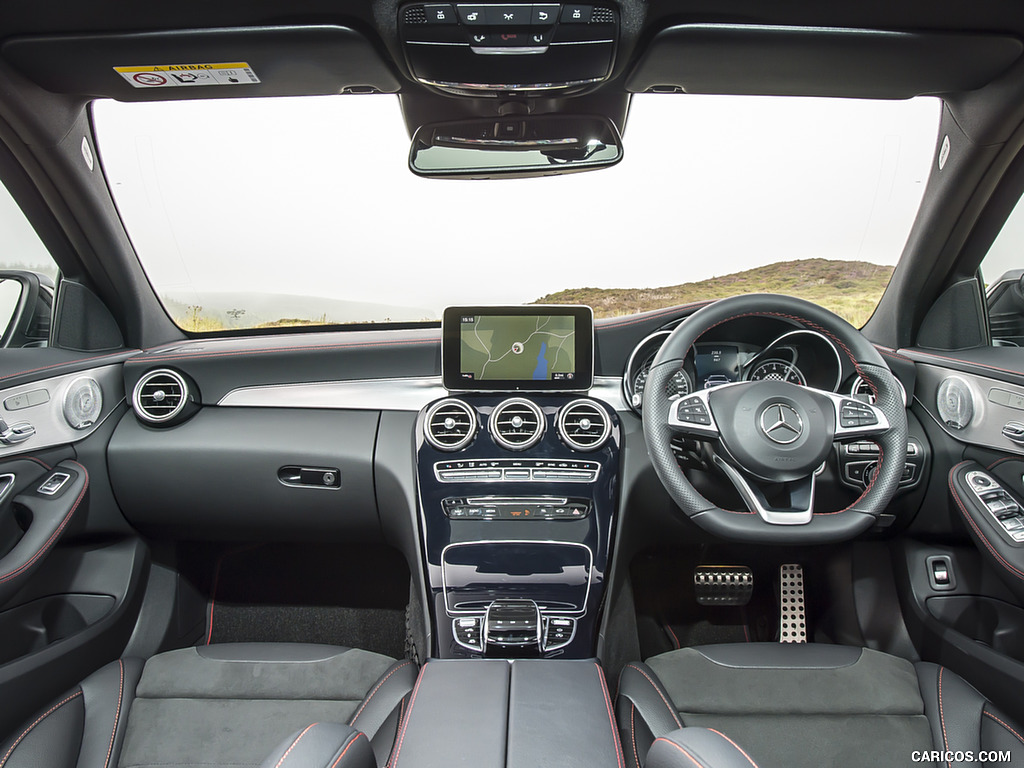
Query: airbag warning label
{"x": 186, "y": 75}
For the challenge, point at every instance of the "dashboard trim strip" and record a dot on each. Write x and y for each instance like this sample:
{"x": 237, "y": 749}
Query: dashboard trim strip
{"x": 398, "y": 394}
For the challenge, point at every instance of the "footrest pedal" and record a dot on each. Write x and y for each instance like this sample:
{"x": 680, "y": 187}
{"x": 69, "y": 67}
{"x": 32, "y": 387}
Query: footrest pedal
{"x": 723, "y": 584}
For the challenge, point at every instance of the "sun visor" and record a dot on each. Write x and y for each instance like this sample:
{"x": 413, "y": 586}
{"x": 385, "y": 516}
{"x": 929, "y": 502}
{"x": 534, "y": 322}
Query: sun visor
{"x": 805, "y": 61}
{"x": 219, "y": 63}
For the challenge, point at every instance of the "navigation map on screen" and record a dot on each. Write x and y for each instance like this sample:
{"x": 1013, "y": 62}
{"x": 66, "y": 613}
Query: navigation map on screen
{"x": 518, "y": 348}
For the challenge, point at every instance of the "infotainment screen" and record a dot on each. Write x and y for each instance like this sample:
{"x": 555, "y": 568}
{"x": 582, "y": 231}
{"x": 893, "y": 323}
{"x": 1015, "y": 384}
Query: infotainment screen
{"x": 522, "y": 348}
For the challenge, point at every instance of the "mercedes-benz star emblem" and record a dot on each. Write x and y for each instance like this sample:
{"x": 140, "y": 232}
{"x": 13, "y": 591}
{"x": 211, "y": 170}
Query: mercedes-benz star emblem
{"x": 781, "y": 423}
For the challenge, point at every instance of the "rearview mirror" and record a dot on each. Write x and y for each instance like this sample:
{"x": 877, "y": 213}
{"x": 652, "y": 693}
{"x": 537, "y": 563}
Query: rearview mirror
{"x": 524, "y": 145}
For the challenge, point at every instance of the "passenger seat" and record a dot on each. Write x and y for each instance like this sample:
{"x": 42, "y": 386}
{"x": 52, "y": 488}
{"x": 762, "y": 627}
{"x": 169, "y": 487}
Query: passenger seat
{"x": 216, "y": 705}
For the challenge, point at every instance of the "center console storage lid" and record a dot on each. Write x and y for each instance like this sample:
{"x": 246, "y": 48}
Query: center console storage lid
{"x": 501, "y": 714}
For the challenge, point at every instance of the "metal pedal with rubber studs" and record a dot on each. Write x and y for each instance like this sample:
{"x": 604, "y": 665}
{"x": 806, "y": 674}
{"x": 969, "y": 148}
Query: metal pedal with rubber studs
{"x": 792, "y": 610}
{"x": 723, "y": 584}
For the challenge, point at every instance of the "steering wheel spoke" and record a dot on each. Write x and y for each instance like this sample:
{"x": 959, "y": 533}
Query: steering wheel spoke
{"x": 692, "y": 415}
{"x": 855, "y": 418}
{"x": 800, "y": 509}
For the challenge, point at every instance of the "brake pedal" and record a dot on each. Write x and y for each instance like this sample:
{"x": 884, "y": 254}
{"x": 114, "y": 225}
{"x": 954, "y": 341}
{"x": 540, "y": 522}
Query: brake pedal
{"x": 792, "y": 611}
{"x": 723, "y": 584}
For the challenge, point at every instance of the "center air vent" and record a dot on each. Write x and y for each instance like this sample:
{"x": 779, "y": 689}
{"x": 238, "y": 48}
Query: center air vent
{"x": 517, "y": 424}
{"x": 450, "y": 425}
{"x": 584, "y": 425}
{"x": 160, "y": 396}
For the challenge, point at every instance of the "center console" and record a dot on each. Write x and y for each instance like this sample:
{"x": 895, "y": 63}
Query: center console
{"x": 517, "y": 480}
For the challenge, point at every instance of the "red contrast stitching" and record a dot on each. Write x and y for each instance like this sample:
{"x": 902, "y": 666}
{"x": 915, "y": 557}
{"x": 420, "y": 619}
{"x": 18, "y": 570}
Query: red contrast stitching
{"x": 942, "y": 718}
{"x": 616, "y": 745}
{"x": 654, "y": 314}
{"x": 671, "y": 709}
{"x": 1003, "y": 460}
{"x": 1007, "y": 727}
{"x": 308, "y": 348}
{"x": 342, "y": 755}
{"x": 738, "y": 747}
{"x": 632, "y": 733}
{"x": 917, "y": 354}
{"x": 405, "y": 726}
{"x": 69, "y": 363}
{"x": 117, "y": 714}
{"x": 56, "y": 534}
{"x": 675, "y": 639}
{"x": 692, "y": 758}
{"x": 376, "y": 688}
{"x": 974, "y": 525}
{"x": 40, "y": 719}
{"x": 294, "y": 743}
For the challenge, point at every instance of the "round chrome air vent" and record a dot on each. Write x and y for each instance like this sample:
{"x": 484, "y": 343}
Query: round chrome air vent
{"x": 450, "y": 425}
{"x": 517, "y": 424}
{"x": 160, "y": 395}
{"x": 862, "y": 390}
{"x": 584, "y": 425}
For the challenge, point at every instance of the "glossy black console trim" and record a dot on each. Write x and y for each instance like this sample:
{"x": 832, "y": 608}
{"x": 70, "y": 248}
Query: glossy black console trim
{"x": 594, "y": 532}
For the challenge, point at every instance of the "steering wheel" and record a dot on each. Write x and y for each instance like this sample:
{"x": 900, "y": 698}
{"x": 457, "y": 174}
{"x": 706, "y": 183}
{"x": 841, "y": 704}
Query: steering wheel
{"x": 775, "y": 434}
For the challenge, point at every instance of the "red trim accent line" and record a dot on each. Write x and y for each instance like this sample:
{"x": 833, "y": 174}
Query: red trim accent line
{"x": 668, "y": 628}
{"x": 737, "y": 746}
{"x": 942, "y": 719}
{"x": 56, "y": 534}
{"x": 294, "y": 743}
{"x": 72, "y": 363}
{"x": 693, "y": 759}
{"x": 959, "y": 361}
{"x": 40, "y": 719}
{"x": 675, "y": 715}
{"x": 632, "y": 733}
{"x": 376, "y": 688}
{"x": 117, "y": 714}
{"x": 405, "y": 725}
{"x": 216, "y": 580}
{"x": 348, "y": 746}
{"x": 967, "y": 516}
{"x": 1006, "y": 726}
{"x": 270, "y": 350}
{"x": 616, "y": 744}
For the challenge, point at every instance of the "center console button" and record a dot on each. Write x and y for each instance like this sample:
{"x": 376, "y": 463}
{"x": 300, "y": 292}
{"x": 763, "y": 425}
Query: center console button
{"x": 576, "y": 14}
{"x": 544, "y": 15}
{"x": 509, "y": 15}
{"x": 440, "y": 14}
{"x": 472, "y": 14}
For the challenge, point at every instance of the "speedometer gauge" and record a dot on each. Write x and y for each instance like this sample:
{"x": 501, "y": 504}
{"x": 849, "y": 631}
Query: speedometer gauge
{"x": 777, "y": 370}
{"x": 678, "y": 385}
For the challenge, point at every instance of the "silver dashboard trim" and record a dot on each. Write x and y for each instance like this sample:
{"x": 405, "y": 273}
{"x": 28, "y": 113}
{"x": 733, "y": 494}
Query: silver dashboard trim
{"x": 48, "y": 417}
{"x": 397, "y": 394}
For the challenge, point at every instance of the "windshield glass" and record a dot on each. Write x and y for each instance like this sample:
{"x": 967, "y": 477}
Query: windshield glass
{"x": 292, "y": 211}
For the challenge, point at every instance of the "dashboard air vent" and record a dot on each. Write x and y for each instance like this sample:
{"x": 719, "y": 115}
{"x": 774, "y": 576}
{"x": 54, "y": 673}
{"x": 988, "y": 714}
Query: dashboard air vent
{"x": 517, "y": 424}
{"x": 450, "y": 425}
{"x": 160, "y": 396}
{"x": 584, "y": 425}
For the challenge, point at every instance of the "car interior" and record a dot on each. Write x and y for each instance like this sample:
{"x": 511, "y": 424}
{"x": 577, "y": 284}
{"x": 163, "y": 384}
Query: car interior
{"x": 727, "y": 531}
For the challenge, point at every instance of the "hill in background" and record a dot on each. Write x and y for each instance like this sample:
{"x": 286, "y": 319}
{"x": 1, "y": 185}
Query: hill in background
{"x": 851, "y": 289}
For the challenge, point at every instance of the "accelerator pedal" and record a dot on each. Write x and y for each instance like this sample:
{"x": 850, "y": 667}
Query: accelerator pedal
{"x": 792, "y": 611}
{"x": 723, "y": 584}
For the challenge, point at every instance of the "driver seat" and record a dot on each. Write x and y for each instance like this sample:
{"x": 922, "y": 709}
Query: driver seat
{"x": 789, "y": 705}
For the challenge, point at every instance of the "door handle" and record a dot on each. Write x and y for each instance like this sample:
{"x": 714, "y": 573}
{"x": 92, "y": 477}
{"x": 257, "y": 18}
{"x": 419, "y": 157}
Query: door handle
{"x": 15, "y": 433}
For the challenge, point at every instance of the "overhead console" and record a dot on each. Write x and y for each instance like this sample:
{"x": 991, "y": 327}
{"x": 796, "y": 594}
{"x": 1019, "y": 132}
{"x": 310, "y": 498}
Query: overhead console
{"x": 481, "y": 49}
{"x": 517, "y": 477}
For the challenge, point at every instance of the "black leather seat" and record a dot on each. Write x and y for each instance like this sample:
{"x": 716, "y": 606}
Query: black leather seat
{"x": 222, "y": 705}
{"x": 794, "y": 705}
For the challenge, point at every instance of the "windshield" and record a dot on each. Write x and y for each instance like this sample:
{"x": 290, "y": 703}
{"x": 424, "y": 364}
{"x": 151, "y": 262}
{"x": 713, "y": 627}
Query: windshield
{"x": 291, "y": 211}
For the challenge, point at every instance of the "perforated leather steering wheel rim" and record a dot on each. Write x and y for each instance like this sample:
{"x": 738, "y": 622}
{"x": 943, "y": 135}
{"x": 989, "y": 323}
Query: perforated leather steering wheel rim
{"x": 747, "y": 526}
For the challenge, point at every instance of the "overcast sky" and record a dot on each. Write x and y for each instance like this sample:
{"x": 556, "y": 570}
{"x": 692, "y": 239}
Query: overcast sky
{"x": 312, "y": 196}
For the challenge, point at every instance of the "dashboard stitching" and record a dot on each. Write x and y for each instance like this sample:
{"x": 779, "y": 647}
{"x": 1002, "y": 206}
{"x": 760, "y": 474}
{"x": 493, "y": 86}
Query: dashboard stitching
{"x": 67, "y": 364}
{"x": 268, "y": 350}
{"x": 969, "y": 363}
{"x": 977, "y": 529}
{"x": 655, "y": 315}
